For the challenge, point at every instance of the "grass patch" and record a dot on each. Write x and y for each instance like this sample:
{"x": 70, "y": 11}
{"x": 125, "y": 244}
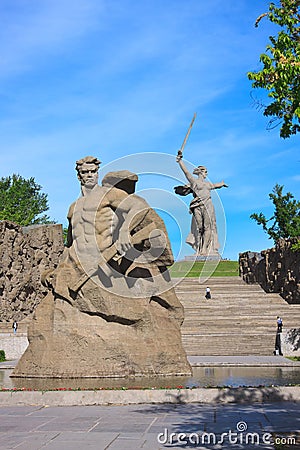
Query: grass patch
{"x": 293, "y": 358}
{"x": 190, "y": 269}
{"x": 2, "y": 356}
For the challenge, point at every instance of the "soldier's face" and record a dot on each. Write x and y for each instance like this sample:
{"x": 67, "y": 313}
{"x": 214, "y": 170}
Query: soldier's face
{"x": 88, "y": 175}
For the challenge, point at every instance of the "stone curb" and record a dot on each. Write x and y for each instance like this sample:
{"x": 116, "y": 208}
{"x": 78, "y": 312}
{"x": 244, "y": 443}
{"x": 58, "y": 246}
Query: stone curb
{"x": 244, "y": 364}
{"x": 150, "y": 396}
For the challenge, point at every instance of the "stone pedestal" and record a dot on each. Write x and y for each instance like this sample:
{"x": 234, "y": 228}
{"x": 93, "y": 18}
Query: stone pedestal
{"x": 67, "y": 343}
{"x": 195, "y": 257}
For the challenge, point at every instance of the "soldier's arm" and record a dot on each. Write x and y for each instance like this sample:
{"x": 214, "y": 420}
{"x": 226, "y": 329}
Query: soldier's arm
{"x": 69, "y": 232}
{"x": 132, "y": 209}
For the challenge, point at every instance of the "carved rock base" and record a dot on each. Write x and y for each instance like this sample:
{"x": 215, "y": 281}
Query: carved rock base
{"x": 67, "y": 343}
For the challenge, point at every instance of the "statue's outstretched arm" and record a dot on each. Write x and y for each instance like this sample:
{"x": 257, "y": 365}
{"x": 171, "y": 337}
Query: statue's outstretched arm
{"x": 219, "y": 185}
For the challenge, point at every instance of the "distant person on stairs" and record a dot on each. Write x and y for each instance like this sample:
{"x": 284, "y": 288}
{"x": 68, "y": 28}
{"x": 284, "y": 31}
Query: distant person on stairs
{"x": 278, "y": 350}
{"x": 208, "y": 293}
{"x": 279, "y": 324}
{"x": 15, "y": 326}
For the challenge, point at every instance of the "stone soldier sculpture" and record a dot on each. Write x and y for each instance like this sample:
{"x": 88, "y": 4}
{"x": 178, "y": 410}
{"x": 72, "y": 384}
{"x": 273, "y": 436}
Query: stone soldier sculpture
{"x": 111, "y": 309}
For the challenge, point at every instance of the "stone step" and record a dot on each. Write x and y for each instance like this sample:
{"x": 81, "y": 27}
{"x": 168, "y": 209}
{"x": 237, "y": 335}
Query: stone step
{"x": 225, "y": 345}
{"x": 230, "y": 300}
{"x": 209, "y": 315}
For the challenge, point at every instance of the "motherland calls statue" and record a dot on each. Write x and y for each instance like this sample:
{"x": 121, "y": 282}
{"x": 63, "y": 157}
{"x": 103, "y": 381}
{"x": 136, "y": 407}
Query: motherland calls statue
{"x": 111, "y": 309}
{"x": 203, "y": 236}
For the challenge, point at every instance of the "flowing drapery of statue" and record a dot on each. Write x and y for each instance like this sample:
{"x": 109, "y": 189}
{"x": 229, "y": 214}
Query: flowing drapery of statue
{"x": 111, "y": 309}
{"x": 203, "y": 236}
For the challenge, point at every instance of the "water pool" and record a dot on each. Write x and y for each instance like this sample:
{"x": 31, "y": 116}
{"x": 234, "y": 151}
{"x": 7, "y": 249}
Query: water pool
{"x": 202, "y": 377}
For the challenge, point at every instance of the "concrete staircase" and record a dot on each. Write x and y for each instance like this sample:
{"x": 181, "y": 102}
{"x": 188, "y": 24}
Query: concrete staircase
{"x": 240, "y": 319}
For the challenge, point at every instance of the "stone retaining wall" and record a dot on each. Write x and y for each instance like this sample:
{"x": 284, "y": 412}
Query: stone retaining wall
{"x": 151, "y": 396}
{"x": 14, "y": 345}
{"x": 276, "y": 270}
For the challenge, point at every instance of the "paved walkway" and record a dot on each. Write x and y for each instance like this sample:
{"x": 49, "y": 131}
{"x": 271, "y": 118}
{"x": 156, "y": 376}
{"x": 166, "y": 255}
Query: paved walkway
{"x": 149, "y": 427}
{"x": 11, "y": 364}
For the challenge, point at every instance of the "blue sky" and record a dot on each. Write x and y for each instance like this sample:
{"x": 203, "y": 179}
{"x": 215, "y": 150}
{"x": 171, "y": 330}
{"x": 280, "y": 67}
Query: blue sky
{"x": 121, "y": 80}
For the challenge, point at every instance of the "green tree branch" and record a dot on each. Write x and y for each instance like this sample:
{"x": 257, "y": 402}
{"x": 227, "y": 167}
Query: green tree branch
{"x": 280, "y": 74}
{"x": 22, "y": 201}
{"x": 285, "y": 222}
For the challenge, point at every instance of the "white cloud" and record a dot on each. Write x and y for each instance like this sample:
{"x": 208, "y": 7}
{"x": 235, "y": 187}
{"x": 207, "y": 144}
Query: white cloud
{"x": 296, "y": 178}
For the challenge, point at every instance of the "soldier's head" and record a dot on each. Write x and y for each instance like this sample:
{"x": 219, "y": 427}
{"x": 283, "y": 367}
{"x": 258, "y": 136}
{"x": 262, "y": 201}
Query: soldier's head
{"x": 200, "y": 170}
{"x": 122, "y": 179}
{"x": 87, "y": 171}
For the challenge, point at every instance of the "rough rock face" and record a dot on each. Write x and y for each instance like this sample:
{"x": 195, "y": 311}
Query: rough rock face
{"x": 276, "y": 270}
{"x": 25, "y": 253}
{"x": 291, "y": 342}
{"x": 67, "y": 343}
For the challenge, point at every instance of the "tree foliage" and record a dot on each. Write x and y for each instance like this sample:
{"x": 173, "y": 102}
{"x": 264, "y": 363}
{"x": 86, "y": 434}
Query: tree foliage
{"x": 280, "y": 74}
{"x": 22, "y": 201}
{"x": 285, "y": 222}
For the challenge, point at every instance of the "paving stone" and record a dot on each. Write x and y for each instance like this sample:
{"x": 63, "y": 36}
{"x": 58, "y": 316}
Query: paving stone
{"x": 32, "y": 441}
{"x": 81, "y": 441}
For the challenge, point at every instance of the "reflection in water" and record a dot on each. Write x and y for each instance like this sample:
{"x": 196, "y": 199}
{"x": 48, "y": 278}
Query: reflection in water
{"x": 202, "y": 377}
{"x": 209, "y": 372}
